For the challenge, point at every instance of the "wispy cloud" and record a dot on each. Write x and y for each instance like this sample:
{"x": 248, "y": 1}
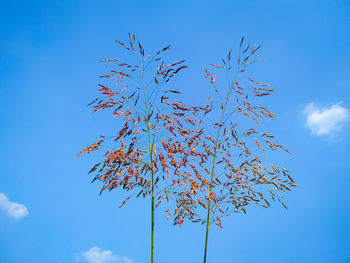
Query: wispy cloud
{"x": 325, "y": 121}
{"x": 97, "y": 255}
{"x": 15, "y": 210}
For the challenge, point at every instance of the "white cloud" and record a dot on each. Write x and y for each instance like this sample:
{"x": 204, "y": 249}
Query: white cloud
{"x": 325, "y": 121}
{"x": 15, "y": 210}
{"x": 96, "y": 255}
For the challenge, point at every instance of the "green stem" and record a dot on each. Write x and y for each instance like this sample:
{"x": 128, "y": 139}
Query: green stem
{"x": 152, "y": 170}
{"x": 212, "y": 171}
{"x": 152, "y": 246}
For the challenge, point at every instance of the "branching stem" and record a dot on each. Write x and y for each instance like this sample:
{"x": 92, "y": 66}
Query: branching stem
{"x": 213, "y": 168}
{"x": 151, "y": 155}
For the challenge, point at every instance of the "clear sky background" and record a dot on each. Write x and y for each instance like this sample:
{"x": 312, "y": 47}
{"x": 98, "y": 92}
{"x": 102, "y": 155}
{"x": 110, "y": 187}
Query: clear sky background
{"x": 49, "y": 71}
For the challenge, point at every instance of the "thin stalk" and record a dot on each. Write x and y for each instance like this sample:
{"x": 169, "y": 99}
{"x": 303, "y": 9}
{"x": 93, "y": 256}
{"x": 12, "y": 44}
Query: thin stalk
{"x": 152, "y": 170}
{"x": 212, "y": 170}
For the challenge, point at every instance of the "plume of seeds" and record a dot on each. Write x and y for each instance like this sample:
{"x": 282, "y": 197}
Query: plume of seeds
{"x": 145, "y": 155}
{"x": 229, "y": 163}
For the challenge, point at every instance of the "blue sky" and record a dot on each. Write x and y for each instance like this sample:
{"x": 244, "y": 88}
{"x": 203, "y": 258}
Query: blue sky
{"x": 49, "y": 71}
